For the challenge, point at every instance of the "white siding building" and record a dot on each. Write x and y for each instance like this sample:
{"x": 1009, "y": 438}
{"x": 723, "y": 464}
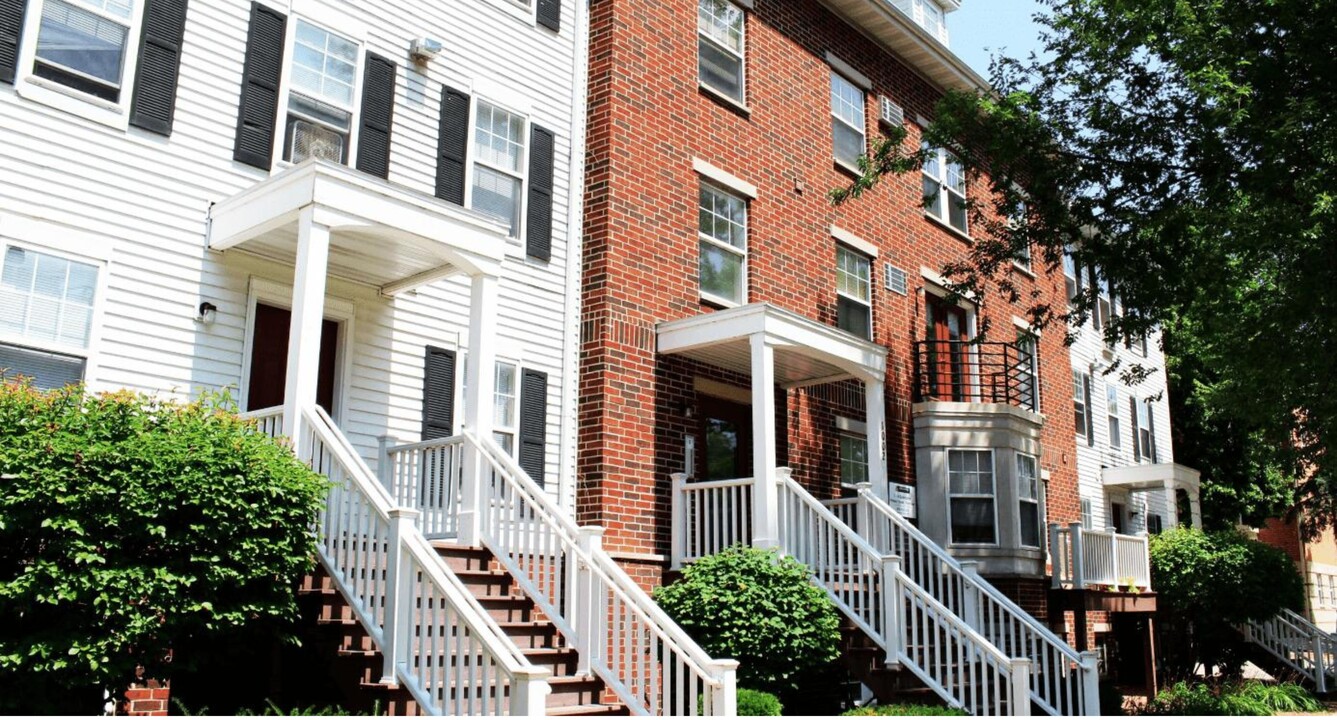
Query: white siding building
{"x": 177, "y": 179}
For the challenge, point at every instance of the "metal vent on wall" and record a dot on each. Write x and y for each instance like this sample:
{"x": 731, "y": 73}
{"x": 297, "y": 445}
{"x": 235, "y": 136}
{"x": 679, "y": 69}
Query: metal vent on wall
{"x": 892, "y": 114}
{"x": 896, "y": 279}
{"x": 312, "y": 140}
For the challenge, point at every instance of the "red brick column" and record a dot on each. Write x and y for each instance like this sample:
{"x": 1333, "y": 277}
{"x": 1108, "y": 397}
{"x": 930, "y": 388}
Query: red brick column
{"x": 147, "y": 697}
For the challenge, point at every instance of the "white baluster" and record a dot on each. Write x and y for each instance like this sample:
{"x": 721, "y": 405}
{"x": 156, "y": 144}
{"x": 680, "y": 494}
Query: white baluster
{"x": 970, "y": 600}
{"x": 893, "y": 605}
{"x": 398, "y": 629}
{"x": 589, "y": 607}
{"x": 678, "y": 519}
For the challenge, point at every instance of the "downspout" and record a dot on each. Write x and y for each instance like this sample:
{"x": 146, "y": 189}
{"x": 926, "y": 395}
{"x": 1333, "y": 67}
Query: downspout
{"x": 566, "y": 493}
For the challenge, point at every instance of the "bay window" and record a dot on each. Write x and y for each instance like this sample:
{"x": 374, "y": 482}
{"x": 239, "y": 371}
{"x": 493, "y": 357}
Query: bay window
{"x": 1028, "y": 499}
{"x": 970, "y": 487}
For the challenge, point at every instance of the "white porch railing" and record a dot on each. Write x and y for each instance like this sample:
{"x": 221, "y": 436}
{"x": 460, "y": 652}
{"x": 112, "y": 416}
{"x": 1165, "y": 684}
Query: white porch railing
{"x": 427, "y": 476}
{"x": 1299, "y": 644}
{"x": 434, "y": 637}
{"x": 1085, "y": 558}
{"x": 620, "y": 634}
{"x": 1062, "y": 680}
{"x": 708, "y": 517}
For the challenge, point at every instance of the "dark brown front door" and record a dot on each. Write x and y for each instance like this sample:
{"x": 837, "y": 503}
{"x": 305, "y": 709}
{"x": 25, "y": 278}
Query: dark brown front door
{"x": 269, "y": 359}
{"x": 725, "y": 436}
{"x": 947, "y": 357}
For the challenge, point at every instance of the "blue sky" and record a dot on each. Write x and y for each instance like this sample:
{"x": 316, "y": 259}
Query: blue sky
{"x": 984, "y": 28}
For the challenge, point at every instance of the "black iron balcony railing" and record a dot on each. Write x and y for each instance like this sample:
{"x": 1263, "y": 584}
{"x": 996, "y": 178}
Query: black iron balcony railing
{"x": 979, "y": 372}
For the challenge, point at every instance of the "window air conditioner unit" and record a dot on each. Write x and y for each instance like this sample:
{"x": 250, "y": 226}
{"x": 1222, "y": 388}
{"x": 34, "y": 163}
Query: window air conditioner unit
{"x": 892, "y": 115}
{"x": 311, "y": 140}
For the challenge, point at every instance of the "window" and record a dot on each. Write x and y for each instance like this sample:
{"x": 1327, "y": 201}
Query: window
{"x": 1071, "y": 276}
{"x": 504, "y": 413}
{"x": 971, "y": 491}
{"x": 847, "y": 120}
{"x": 46, "y": 309}
{"x": 320, "y": 95}
{"x": 1146, "y": 435}
{"x": 723, "y": 234}
{"x": 853, "y": 459}
{"x": 930, "y": 16}
{"x": 854, "y": 290}
{"x": 943, "y": 171}
{"x": 1081, "y": 404}
{"x": 499, "y": 157}
{"x": 1088, "y": 518}
{"x": 1028, "y": 497}
{"x": 1155, "y": 524}
{"x": 1112, "y": 409}
{"x": 84, "y": 44}
{"x": 720, "y": 37}
{"x": 1105, "y": 301}
{"x": 1028, "y": 389}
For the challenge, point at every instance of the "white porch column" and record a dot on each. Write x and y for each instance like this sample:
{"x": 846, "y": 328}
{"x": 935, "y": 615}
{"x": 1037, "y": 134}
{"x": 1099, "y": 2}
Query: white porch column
{"x": 480, "y": 377}
{"x": 875, "y": 402}
{"x": 765, "y": 495}
{"x": 1195, "y": 508}
{"x": 308, "y": 310}
{"x": 1171, "y": 506}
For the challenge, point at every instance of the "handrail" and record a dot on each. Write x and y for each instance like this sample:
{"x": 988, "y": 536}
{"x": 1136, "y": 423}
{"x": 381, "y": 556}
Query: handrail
{"x": 428, "y": 476}
{"x": 1297, "y": 643}
{"x": 974, "y": 371}
{"x": 871, "y": 588}
{"x": 435, "y": 638}
{"x": 999, "y": 618}
{"x": 621, "y": 635}
{"x": 1099, "y": 557}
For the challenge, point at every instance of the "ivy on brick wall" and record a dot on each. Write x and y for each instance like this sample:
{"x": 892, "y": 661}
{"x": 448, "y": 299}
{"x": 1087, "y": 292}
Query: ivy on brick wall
{"x": 132, "y": 526}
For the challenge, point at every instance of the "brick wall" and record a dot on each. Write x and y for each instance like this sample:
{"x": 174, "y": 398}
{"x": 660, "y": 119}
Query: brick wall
{"x": 148, "y": 697}
{"x": 648, "y": 119}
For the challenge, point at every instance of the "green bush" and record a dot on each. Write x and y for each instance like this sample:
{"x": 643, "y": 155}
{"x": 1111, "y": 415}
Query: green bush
{"x": 131, "y": 527}
{"x": 755, "y": 703}
{"x": 905, "y": 710}
{"x": 1210, "y": 583}
{"x": 759, "y": 609}
{"x": 1251, "y": 698}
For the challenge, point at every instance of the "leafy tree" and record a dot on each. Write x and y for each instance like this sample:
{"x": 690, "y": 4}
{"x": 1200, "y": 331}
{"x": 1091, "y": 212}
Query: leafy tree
{"x": 1185, "y": 148}
{"x": 131, "y": 527}
{"x": 758, "y": 608}
{"x": 1207, "y": 584}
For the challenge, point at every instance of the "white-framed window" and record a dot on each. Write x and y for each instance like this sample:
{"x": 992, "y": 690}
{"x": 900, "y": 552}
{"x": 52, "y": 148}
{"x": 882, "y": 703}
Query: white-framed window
{"x": 848, "y": 123}
{"x": 945, "y": 188}
{"x": 498, "y": 155}
{"x": 854, "y": 292}
{"x": 1081, "y": 404}
{"x": 853, "y": 458}
{"x": 930, "y": 16}
{"x": 1155, "y": 524}
{"x": 1028, "y": 500}
{"x": 1112, "y": 411}
{"x": 1088, "y": 516}
{"x": 80, "y": 56}
{"x": 1072, "y": 276}
{"x": 46, "y": 315}
{"x": 1028, "y": 371}
{"x": 321, "y": 94}
{"x": 1146, "y": 434}
{"x": 970, "y": 488}
{"x": 505, "y": 413}
{"x": 722, "y": 229}
{"x": 721, "y": 41}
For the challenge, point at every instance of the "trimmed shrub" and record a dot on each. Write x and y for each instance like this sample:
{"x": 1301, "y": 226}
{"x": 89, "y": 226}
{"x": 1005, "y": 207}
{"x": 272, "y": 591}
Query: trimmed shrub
{"x": 908, "y": 710}
{"x": 1210, "y": 583}
{"x": 131, "y": 527}
{"x": 757, "y": 608}
{"x": 755, "y": 703}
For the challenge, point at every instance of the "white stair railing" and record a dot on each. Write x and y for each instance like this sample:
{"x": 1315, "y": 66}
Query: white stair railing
{"x": 709, "y": 516}
{"x": 1062, "y": 680}
{"x": 434, "y": 637}
{"x": 620, "y": 634}
{"x": 905, "y": 619}
{"x": 1084, "y": 558}
{"x": 426, "y": 476}
{"x": 1299, "y": 644}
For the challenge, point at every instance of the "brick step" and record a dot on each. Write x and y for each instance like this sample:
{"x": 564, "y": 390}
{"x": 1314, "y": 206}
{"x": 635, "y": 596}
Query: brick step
{"x": 558, "y": 660}
{"x": 575, "y": 690}
{"x": 581, "y": 710}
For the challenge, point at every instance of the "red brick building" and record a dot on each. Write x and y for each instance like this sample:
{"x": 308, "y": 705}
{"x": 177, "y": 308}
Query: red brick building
{"x": 712, "y": 249}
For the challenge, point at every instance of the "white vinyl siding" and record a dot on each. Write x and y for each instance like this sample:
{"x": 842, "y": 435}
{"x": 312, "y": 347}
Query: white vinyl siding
{"x": 721, "y": 40}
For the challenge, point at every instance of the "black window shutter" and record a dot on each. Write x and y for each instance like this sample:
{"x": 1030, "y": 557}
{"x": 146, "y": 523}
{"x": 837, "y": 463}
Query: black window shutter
{"x": 1137, "y": 447}
{"x": 1151, "y": 432}
{"x": 533, "y": 422}
{"x": 452, "y": 146}
{"x": 1090, "y": 412}
{"x": 154, "y": 103}
{"x": 438, "y": 394}
{"x": 257, "y": 112}
{"x": 378, "y": 111}
{"x": 11, "y": 27}
{"x": 550, "y": 14}
{"x": 538, "y": 229}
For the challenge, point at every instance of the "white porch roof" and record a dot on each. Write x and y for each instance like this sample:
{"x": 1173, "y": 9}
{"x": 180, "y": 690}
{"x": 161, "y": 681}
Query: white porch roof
{"x": 806, "y": 352}
{"x": 1152, "y": 477}
{"x": 380, "y": 234}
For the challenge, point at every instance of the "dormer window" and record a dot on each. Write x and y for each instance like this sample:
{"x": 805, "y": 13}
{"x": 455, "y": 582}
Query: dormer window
{"x": 930, "y": 16}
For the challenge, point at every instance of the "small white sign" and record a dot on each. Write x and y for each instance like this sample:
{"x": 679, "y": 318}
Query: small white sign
{"x": 902, "y": 499}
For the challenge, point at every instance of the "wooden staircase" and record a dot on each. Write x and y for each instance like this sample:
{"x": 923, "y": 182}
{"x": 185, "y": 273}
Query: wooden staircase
{"x": 357, "y": 663}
